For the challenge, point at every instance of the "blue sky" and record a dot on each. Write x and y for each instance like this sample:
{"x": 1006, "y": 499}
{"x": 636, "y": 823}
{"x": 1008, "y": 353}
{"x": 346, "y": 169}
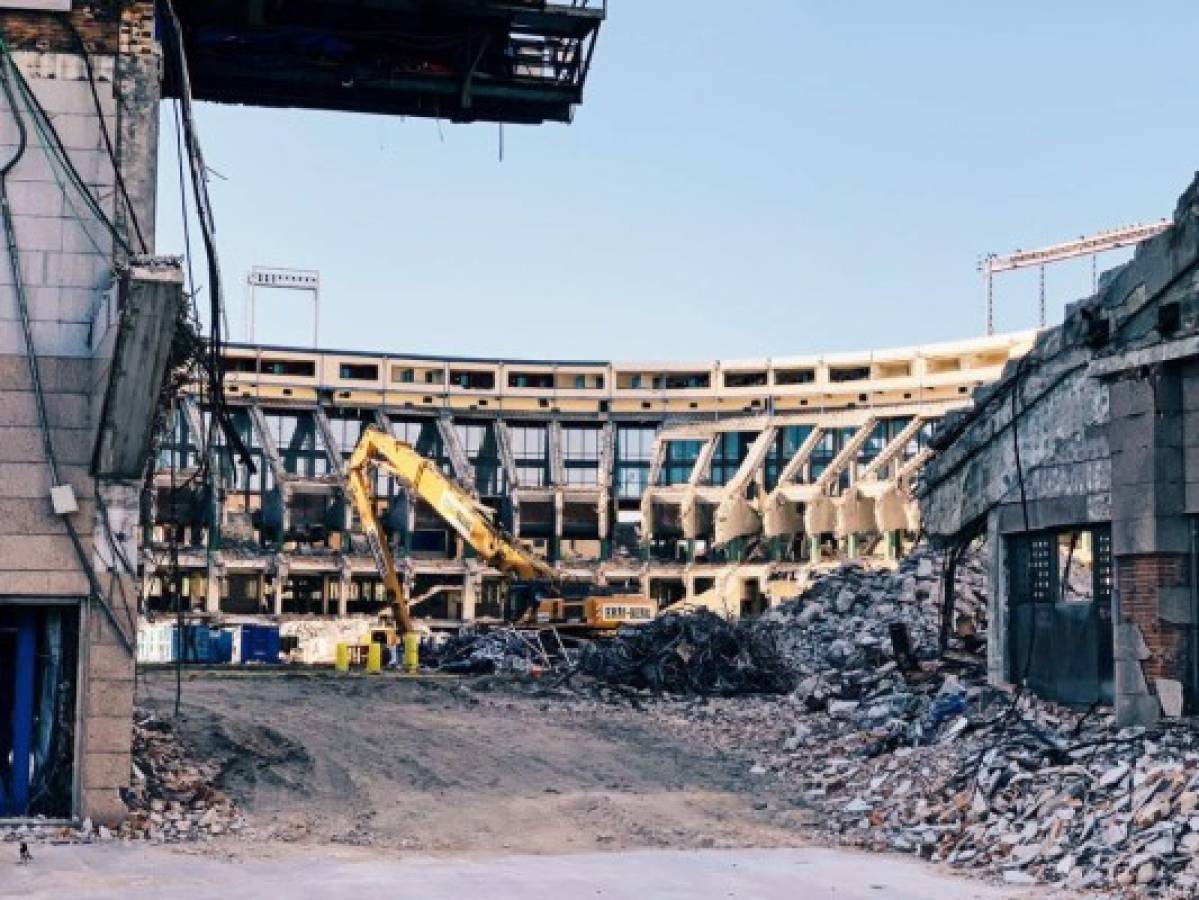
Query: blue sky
{"x": 801, "y": 178}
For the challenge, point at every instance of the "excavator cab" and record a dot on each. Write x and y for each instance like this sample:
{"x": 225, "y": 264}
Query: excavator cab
{"x": 576, "y": 605}
{"x": 525, "y": 599}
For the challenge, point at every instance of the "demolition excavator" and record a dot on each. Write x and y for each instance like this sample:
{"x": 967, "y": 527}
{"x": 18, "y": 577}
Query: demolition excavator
{"x": 537, "y": 595}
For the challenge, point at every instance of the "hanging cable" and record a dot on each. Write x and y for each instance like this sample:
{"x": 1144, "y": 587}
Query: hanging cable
{"x": 112, "y": 156}
{"x": 215, "y": 363}
{"x": 187, "y": 239}
{"x": 53, "y": 145}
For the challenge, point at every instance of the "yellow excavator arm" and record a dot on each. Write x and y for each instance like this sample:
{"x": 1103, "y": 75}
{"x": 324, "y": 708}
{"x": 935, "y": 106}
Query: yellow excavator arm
{"x": 471, "y": 520}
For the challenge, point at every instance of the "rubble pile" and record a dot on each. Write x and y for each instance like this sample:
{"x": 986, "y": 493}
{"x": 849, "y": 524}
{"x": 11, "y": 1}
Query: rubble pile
{"x": 887, "y": 747}
{"x": 1020, "y": 790}
{"x": 845, "y": 618}
{"x": 862, "y": 643}
{"x": 172, "y": 798}
{"x": 483, "y": 652}
{"x": 691, "y": 653}
{"x": 837, "y": 642}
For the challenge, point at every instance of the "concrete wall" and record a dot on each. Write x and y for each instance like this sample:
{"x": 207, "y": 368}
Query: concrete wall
{"x": 1108, "y": 431}
{"x": 67, "y": 262}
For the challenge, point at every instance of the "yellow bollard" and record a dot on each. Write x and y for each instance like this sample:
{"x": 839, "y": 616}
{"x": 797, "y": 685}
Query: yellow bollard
{"x": 374, "y": 658}
{"x": 342, "y": 663}
{"x": 411, "y": 651}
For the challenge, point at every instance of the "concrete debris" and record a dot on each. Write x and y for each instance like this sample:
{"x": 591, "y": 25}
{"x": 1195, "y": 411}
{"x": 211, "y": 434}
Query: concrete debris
{"x": 932, "y": 761}
{"x": 840, "y": 637}
{"x": 173, "y": 798}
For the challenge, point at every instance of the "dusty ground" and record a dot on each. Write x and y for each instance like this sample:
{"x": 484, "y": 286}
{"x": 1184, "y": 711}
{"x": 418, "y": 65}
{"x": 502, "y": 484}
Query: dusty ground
{"x": 448, "y": 766}
{"x": 335, "y": 873}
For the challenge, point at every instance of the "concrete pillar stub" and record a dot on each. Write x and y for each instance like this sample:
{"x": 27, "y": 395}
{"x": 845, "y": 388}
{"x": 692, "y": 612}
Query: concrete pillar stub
{"x": 343, "y": 592}
{"x": 470, "y": 596}
{"x": 281, "y": 572}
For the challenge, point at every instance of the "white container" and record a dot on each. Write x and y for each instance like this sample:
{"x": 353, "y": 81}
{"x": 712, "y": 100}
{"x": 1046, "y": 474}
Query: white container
{"x": 155, "y": 642}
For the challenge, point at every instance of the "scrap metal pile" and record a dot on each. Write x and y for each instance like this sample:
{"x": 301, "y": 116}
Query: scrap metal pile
{"x": 836, "y": 645}
{"x": 486, "y": 651}
{"x": 691, "y": 653}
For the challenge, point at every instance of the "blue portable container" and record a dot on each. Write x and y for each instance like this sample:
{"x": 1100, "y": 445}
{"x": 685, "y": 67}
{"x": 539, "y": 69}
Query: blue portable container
{"x": 259, "y": 643}
{"x": 193, "y": 644}
{"x": 220, "y": 644}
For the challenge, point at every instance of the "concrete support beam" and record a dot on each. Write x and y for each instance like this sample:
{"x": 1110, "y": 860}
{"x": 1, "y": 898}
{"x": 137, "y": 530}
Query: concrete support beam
{"x": 557, "y": 464}
{"x": 464, "y": 472}
{"x": 269, "y": 448}
{"x": 324, "y": 432}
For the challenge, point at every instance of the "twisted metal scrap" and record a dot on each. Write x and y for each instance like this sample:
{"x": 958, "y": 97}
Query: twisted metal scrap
{"x": 692, "y": 653}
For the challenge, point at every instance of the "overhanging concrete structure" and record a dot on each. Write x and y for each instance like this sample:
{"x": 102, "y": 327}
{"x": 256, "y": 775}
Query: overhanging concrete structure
{"x": 462, "y": 60}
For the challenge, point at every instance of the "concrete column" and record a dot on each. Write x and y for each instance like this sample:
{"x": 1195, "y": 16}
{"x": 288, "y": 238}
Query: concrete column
{"x": 409, "y": 523}
{"x": 470, "y": 596}
{"x": 326, "y": 582}
{"x": 212, "y": 586}
{"x": 997, "y": 602}
{"x": 343, "y": 592}
{"x": 1152, "y": 605}
{"x": 281, "y": 573}
{"x": 814, "y": 548}
{"x": 559, "y": 517}
{"x": 197, "y": 590}
{"x": 851, "y": 546}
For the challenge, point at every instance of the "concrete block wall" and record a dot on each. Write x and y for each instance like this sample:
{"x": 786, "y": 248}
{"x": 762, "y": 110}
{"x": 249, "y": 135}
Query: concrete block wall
{"x": 1151, "y": 539}
{"x": 67, "y": 261}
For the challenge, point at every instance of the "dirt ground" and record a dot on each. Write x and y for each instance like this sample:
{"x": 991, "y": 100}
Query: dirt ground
{"x": 450, "y": 766}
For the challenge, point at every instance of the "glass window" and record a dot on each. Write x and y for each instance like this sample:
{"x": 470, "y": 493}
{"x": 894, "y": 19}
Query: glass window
{"x": 632, "y": 482}
{"x": 679, "y": 460}
{"x": 582, "y": 477}
{"x": 530, "y": 444}
{"x": 580, "y": 443}
{"x": 358, "y": 372}
{"x": 635, "y": 444}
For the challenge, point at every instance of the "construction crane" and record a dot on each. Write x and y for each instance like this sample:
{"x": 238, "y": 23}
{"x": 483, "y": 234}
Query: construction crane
{"x": 1090, "y": 246}
{"x": 545, "y": 599}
